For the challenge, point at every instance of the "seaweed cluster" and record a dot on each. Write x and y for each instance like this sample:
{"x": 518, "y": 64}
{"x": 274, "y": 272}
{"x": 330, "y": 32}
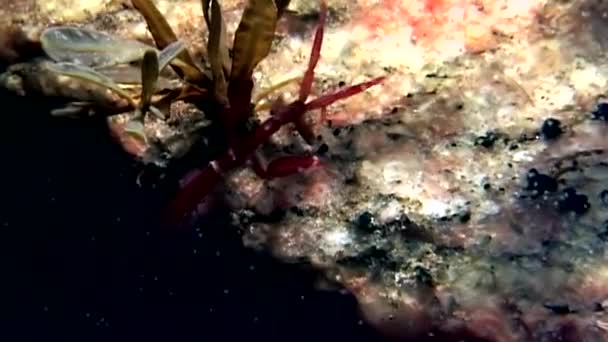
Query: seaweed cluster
{"x": 140, "y": 86}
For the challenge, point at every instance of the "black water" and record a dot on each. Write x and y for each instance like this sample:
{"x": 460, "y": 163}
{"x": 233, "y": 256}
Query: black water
{"x": 81, "y": 257}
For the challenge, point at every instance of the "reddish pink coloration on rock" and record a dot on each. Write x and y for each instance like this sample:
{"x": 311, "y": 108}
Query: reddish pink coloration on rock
{"x": 435, "y": 13}
{"x": 286, "y": 166}
{"x": 241, "y": 150}
{"x": 426, "y": 17}
{"x": 130, "y": 143}
{"x": 489, "y": 324}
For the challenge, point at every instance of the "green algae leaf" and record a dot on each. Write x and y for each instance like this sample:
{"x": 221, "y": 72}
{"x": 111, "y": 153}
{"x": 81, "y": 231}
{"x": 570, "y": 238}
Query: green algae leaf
{"x": 149, "y": 76}
{"x": 253, "y": 37}
{"x": 89, "y": 48}
{"x": 90, "y": 75}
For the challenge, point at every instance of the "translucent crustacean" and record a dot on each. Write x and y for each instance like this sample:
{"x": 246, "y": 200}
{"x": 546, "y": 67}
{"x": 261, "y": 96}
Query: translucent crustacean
{"x": 99, "y": 74}
{"x": 91, "y": 70}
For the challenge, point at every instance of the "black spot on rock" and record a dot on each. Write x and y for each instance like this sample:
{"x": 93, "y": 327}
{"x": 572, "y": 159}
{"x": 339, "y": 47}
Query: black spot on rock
{"x": 423, "y": 276}
{"x": 370, "y": 257}
{"x": 540, "y": 184}
{"x": 604, "y": 197}
{"x": 322, "y": 149}
{"x": 394, "y": 136}
{"x": 600, "y": 112}
{"x": 486, "y": 140}
{"x": 570, "y": 201}
{"x": 559, "y": 308}
{"x": 551, "y": 129}
{"x": 297, "y": 211}
{"x": 603, "y": 233}
{"x": 366, "y": 222}
{"x": 464, "y": 217}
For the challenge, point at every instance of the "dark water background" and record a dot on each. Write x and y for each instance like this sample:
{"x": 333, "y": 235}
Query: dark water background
{"x": 82, "y": 259}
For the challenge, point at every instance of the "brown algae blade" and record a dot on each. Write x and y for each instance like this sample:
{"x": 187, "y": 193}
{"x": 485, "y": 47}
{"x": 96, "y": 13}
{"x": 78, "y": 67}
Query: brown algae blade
{"x": 253, "y": 38}
{"x": 164, "y": 36}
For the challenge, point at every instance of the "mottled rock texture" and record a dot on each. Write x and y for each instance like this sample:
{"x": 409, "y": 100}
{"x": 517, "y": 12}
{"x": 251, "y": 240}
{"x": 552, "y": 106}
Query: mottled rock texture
{"x": 446, "y": 203}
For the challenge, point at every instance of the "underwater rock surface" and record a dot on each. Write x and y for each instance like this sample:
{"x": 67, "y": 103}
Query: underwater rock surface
{"x": 467, "y": 193}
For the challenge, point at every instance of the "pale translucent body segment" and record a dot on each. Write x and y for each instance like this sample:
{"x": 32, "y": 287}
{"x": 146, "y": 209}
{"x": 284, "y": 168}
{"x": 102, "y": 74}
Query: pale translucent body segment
{"x": 90, "y": 75}
{"x": 169, "y": 53}
{"x": 90, "y": 48}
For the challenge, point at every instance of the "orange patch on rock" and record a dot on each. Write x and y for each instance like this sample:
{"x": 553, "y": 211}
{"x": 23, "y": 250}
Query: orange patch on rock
{"x": 427, "y": 18}
{"x": 433, "y": 23}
